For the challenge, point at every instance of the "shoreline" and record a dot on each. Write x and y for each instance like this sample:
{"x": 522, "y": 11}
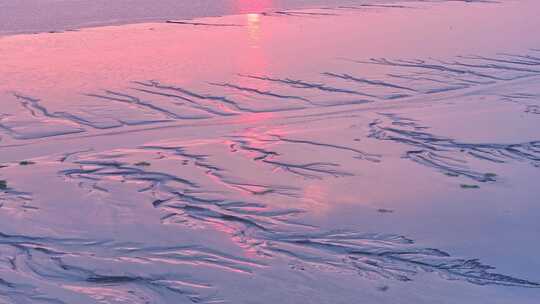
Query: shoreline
{"x": 31, "y": 20}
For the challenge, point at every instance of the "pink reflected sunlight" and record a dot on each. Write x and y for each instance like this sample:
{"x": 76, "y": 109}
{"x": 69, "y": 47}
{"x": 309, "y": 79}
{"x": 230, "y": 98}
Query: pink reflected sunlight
{"x": 250, "y": 6}
{"x": 262, "y": 151}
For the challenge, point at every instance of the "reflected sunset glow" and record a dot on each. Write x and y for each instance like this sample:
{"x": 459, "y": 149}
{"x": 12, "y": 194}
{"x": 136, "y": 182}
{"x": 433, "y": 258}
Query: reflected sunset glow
{"x": 249, "y": 6}
{"x": 295, "y": 151}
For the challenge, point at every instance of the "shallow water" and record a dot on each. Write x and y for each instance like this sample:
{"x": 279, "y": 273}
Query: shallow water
{"x": 388, "y": 154}
{"x": 24, "y": 16}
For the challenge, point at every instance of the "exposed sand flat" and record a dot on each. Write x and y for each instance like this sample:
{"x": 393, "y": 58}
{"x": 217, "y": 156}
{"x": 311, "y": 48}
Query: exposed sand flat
{"x": 382, "y": 154}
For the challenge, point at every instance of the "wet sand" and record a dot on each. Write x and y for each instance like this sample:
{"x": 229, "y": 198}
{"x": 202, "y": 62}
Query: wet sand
{"x": 386, "y": 153}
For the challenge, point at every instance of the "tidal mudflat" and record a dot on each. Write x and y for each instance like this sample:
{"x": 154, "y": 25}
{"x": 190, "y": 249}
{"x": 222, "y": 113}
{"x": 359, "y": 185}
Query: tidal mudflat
{"x": 368, "y": 153}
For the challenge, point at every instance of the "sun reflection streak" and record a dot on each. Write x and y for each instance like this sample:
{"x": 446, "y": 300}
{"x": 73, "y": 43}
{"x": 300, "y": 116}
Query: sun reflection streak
{"x": 254, "y": 28}
{"x": 251, "y": 6}
{"x": 254, "y": 60}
